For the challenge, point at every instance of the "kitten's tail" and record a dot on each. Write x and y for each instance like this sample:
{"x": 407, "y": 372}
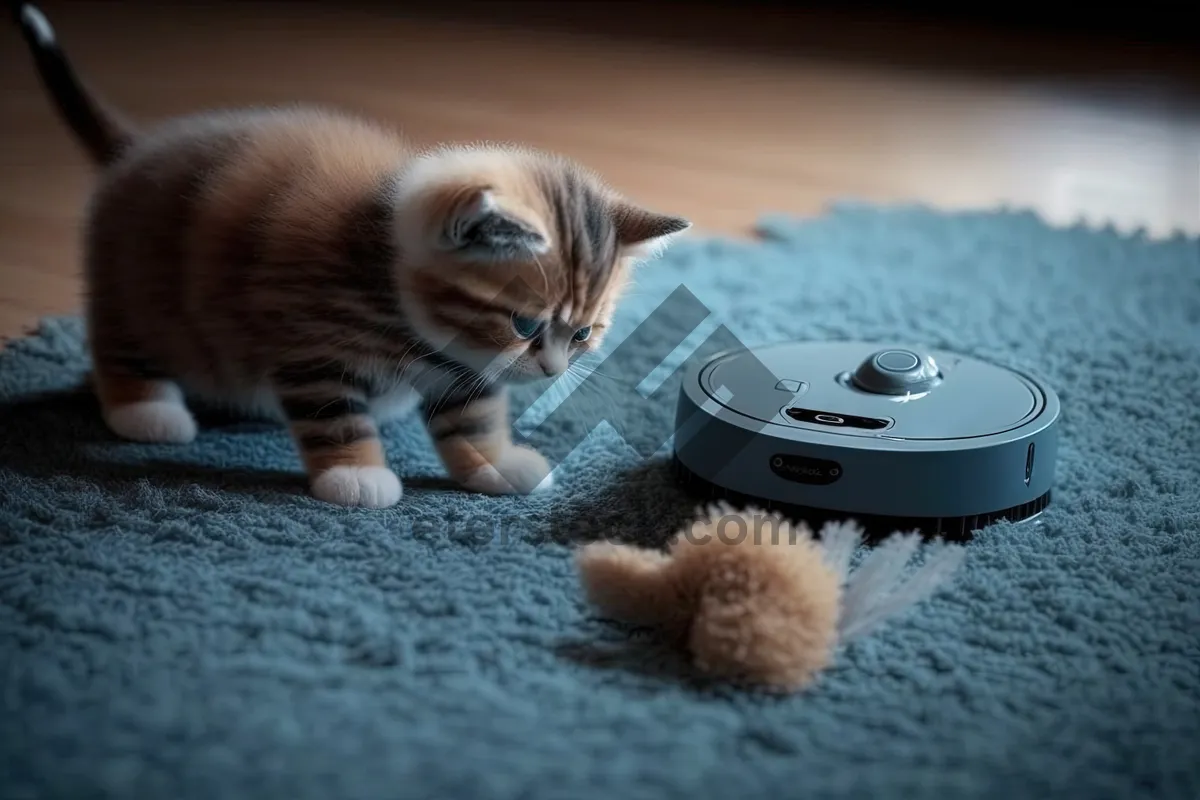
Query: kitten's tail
{"x": 101, "y": 132}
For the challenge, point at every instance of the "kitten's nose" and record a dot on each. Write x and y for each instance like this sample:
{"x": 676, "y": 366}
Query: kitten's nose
{"x": 553, "y": 364}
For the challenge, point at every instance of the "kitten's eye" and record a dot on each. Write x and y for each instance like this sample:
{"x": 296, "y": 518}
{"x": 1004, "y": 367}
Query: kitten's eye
{"x": 526, "y": 327}
{"x": 583, "y": 334}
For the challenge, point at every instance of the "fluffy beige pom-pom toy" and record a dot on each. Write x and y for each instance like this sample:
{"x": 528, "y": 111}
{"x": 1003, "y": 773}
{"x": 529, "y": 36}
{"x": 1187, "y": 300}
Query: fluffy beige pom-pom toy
{"x": 757, "y": 599}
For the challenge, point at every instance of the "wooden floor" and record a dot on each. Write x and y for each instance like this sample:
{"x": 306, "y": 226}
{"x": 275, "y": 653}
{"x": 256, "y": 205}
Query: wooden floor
{"x": 718, "y": 134}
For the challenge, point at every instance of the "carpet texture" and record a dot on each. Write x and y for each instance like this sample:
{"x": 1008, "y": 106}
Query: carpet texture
{"x": 187, "y": 623}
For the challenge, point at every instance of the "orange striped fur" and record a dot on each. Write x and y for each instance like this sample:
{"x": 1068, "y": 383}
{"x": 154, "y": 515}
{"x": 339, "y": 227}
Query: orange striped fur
{"x": 313, "y": 266}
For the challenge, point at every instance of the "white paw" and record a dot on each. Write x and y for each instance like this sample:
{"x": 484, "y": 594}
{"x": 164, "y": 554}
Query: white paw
{"x": 368, "y": 487}
{"x": 154, "y": 421}
{"x": 519, "y": 471}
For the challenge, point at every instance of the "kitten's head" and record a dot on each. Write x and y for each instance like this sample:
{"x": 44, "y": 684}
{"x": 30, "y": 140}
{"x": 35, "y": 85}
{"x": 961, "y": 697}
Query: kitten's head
{"x": 514, "y": 261}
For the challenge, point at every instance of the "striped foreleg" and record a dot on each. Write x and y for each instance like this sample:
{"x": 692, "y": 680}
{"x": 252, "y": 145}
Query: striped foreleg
{"x": 337, "y": 439}
{"x": 472, "y": 436}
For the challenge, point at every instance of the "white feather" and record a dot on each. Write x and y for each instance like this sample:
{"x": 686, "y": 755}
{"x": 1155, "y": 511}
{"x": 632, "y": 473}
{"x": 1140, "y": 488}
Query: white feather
{"x": 877, "y": 574}
{"x": 876, "y": 591}
{"x": 840, "y": 540}
{"x": 939, "y": 567}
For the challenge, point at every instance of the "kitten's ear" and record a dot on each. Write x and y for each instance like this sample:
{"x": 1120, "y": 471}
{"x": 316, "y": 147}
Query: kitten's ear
{"x": 478, "y": 227}
{"x": 645, "y": 233}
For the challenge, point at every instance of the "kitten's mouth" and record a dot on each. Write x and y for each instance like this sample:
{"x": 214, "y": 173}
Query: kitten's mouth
{"x": 500, "y": 368}
{"x": 510, "y": 375}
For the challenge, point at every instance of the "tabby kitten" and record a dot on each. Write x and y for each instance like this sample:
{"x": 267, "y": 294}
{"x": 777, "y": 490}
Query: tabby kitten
{"x": 307, "y": 264}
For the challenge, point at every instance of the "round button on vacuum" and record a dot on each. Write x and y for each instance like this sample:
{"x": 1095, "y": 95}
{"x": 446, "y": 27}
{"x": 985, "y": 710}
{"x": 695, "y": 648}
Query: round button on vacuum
{"x": 897, "y": 361}
{"x": 896, "y": 372}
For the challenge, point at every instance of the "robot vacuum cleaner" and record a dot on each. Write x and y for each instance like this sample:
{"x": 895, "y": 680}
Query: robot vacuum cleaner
{"x": 897, "y": 438}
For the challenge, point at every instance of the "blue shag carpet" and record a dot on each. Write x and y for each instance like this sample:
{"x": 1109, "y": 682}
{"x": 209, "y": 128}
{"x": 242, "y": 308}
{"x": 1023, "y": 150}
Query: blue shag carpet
{"x": 187, "y": 623}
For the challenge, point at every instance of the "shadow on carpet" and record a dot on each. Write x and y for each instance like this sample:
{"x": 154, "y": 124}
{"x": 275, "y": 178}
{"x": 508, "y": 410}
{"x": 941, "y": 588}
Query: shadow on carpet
{"x": 188, "y": 623}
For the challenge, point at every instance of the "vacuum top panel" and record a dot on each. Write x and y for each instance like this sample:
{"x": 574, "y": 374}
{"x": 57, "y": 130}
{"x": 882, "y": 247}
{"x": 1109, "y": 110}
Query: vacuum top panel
{"x": 862, "y": 389}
